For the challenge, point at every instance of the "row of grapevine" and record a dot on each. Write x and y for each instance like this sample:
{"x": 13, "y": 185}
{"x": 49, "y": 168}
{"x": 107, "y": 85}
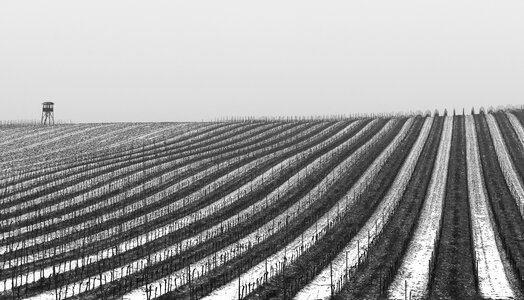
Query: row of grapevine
{"x": 306, "y": 169}
{"x": 135, "y": 220}
{"x": 299, "y": 208}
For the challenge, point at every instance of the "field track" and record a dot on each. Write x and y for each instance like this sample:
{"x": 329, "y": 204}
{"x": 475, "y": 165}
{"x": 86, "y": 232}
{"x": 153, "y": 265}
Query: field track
{"x": 406, "y": 207}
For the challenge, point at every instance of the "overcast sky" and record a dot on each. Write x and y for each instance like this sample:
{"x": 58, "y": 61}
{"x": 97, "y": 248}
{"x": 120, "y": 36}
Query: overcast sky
{"x": 103, "y": 61}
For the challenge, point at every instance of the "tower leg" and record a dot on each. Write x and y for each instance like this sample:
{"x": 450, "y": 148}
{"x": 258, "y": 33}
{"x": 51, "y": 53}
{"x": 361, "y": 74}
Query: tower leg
{"x": 48, "y": 118}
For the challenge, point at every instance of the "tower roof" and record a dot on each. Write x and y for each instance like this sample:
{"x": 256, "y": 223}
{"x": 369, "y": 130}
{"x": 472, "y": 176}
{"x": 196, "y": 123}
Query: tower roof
{"x": 48, "y": 103}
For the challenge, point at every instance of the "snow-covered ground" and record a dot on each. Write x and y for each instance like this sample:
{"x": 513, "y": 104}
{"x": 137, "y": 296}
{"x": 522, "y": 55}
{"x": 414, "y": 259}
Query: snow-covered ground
{"x": 140, "y": 167}
{"x": 27, "y": 137}
{"x": 61, "y": 141}
{"x": 180, "y": 223}
{"x": 263, "y": 232}
{"x": 517, "y": 126}
{"x": 414, "y": 270}
{"x": 508, "y": 169}
{"x": 61, "y": 171}
{"x": 136, "y": 174}
{"x": 158, "y": 232}
{"x": 493, "y": 283}
{"x": 273, "y": 264}
{"x": 320, "y": 286}
{"x": 30, "y": 163}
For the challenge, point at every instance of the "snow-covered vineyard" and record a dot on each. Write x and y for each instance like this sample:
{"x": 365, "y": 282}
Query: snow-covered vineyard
{"x": 406, "y": 207}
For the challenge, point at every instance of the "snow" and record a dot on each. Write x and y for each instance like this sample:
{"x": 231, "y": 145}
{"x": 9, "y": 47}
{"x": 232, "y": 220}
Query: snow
{"x": 414, "y": 269}
{"x": 506, "y": 164}
{"x": 492, "y": 279}
{"x": 320, "y": 286}
{"x": 200, "y": 237}
{"x": 517, "y": 126}
{"x": 143, "y": 238}
{"x": 230, "y": 290}
{"x": 138, "y": 172}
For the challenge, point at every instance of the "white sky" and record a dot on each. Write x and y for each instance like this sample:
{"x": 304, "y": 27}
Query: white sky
{"x": 103, "y": 61}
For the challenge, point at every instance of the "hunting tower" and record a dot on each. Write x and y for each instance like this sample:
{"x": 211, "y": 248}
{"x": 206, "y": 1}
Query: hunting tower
{"x": 48, "y": 114}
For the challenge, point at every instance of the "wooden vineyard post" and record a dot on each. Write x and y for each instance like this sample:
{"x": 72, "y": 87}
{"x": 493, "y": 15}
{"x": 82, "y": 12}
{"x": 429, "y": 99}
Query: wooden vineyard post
{"x": 239, "y": 285}
{"x": 347, "y": 275}
{"x": 283, "y": 273}
{"x": 331, "y": 279}
{"x": 358, "y": 253}
{"x": 189, "y": 279}
{"x": 265, "y": 274}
